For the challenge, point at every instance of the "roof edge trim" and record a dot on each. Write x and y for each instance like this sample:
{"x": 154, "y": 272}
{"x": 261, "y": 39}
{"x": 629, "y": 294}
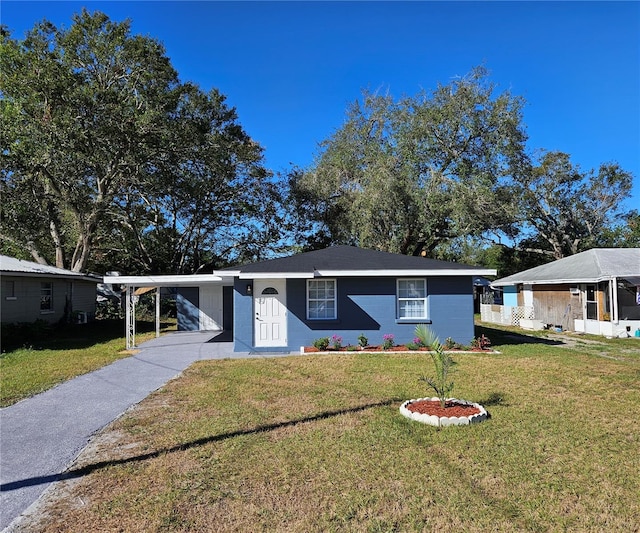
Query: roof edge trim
{"x": 407, "y": 272}
{"x": 275, "y": 275}
{"x": 555, "y": 281}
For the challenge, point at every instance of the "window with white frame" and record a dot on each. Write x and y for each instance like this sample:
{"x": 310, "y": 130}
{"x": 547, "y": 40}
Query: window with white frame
{"x": 46, "y": 297}
{"x": 321, "y": 299}
{"x": 412, "y": 298}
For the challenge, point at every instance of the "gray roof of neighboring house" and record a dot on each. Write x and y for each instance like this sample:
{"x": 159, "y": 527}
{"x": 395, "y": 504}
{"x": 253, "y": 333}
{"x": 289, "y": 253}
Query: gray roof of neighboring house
{"x": 18, "y": 267}
{"x": 350, "y": 260}
{"x": 594, "y": 265}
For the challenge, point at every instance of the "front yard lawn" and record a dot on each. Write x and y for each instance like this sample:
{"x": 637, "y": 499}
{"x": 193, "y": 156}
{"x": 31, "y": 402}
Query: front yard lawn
{"x": 67, "y": 352}
{"x": 316, "y": 443}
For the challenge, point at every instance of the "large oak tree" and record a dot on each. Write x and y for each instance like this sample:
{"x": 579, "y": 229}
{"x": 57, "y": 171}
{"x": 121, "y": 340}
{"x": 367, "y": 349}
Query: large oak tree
{"x": 566, "y": 210}
{"x": 109, "y": 160}
{"x": 409, "y": 175}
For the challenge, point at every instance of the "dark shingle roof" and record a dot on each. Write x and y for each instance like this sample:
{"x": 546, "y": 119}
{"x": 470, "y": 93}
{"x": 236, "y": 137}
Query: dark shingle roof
{"x": 352, "y": 259}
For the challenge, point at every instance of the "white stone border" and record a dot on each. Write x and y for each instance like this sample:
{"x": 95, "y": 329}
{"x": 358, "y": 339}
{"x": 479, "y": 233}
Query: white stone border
{"x": 444, "y": 421}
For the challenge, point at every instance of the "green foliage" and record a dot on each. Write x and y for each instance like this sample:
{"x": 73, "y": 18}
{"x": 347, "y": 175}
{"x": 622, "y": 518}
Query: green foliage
{"x": 74, "y": 103}
{"x": 482, "y": 342}
{"x": 406, "y": 175}
{"x": 446, "y": 173}
{"x": 388, "y": 341}
{"x": 163, "y": 177}
{"x": 567, "y": 209}
{"x": 624, "y": 234}
{"x": 109, "y": 310}
{"x": 449, "y": 343}
{"x": 442, "y": 363}
{"x": 336, "y": 342}
{"x": 362, "y": 340}
{"x": 26, "y": 335}
{"x": 321, "y": 344}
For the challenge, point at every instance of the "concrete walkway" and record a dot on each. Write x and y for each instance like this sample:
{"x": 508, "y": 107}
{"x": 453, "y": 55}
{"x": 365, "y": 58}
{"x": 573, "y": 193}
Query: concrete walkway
{"x": 41, "y": 436}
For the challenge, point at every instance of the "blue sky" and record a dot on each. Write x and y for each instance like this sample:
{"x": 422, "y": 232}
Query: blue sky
{"x": 292, "y": 68}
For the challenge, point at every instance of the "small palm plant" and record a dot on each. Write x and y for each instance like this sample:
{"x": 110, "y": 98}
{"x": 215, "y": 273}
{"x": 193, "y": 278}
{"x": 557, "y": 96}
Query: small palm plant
{"x": 441, "y": 360}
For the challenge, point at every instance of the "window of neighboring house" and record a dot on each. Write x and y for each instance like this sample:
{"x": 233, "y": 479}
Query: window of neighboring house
{"x": 321, "y": 299}
{"x": 592, "y": 303}
{"x": 412, "y": 298}
{"x": 9, "y": 290}
{"x": 46, "y": 297}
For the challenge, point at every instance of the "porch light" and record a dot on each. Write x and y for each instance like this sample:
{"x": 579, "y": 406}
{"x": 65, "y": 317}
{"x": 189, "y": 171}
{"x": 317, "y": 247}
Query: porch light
{"x": 249, "y": 289}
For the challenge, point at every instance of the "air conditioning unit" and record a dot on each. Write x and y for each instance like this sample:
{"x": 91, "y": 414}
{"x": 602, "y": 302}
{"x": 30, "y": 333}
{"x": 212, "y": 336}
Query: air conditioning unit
{"x": 575, "y": 291}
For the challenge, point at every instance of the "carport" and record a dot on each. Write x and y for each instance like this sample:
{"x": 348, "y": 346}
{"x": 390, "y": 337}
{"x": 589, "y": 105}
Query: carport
{"x": 204, "y": 300}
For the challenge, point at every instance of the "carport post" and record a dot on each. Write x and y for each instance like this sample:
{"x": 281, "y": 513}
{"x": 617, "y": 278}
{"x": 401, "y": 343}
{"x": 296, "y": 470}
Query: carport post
{"x": 130, "y": 317}
{"x": 157, "y": 312}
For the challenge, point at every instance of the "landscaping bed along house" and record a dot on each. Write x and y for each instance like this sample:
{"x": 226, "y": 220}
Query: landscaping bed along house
{"x": 334, "y": 344}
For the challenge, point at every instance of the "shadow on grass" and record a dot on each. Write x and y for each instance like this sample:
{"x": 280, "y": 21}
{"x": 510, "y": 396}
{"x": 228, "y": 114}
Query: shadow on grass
{"x": 85, "y": 470}
{"x": 501, "y": 337}
{"x": 495, "y": 398}
{"x": 69, "y": 336}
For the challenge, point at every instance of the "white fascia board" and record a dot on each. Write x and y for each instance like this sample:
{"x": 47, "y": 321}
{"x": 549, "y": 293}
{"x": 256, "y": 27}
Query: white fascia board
{"x": 163, "y": 281}
{"x": 226, "y": 273}
{"x": 275, "y": 275}
{"x": 404, "y": 273}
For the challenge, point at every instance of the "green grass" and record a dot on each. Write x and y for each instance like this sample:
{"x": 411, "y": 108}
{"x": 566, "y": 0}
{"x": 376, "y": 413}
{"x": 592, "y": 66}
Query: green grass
{"x": 68, "y": 352}
{"x": 316, "y": 443}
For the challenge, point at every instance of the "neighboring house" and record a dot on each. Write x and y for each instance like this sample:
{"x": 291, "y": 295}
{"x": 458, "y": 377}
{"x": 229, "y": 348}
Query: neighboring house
{"x": 483, "y": 293}
{"x": 597, "y": 291}
{"x": 31, "y": 291}
{"x": 283, "y": 304}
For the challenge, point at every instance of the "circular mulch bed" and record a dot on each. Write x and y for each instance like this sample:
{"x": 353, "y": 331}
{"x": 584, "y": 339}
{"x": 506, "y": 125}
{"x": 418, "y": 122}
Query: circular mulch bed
{"x": 455, "y": 413}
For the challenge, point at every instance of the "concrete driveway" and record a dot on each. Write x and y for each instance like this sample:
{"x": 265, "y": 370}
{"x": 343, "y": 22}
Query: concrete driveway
{"x": 41, "y": 436}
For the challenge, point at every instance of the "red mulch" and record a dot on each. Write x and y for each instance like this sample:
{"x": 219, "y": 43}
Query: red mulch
{"x": 431, "y": 407}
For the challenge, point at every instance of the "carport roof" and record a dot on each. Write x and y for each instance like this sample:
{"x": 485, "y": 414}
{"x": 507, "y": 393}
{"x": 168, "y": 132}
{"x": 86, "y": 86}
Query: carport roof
{"x": 184, "y": 280}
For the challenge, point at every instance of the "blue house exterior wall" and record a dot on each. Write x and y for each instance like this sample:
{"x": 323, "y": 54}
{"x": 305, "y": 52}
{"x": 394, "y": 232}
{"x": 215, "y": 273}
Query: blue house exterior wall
{"x": 242, "y": 317}
{"x": 187, "y": 308}
{"x": 510, "y": 295}
{"x": 451, "y": 308}
{"x": 365, "y": 305}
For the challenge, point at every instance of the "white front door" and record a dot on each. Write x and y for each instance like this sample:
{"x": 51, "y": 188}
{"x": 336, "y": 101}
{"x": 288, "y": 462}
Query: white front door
{"x": 270, "y": 307}
{"x": 210, "y": 307}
